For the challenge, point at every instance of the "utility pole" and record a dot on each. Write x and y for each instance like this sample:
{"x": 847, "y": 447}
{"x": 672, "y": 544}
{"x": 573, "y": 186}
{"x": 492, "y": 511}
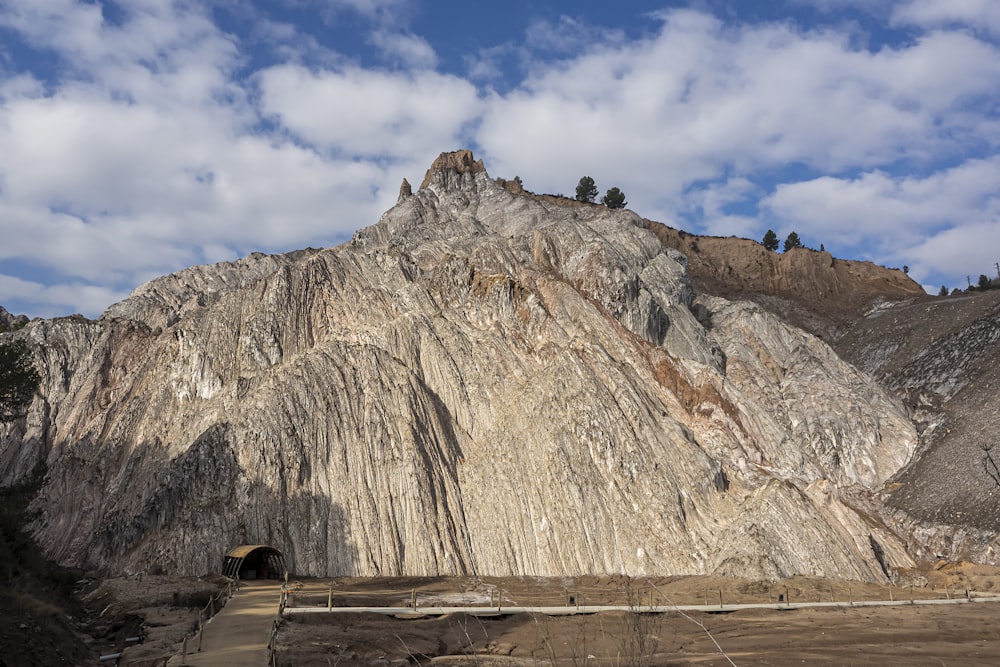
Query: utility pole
{"x": 997, "y": 264}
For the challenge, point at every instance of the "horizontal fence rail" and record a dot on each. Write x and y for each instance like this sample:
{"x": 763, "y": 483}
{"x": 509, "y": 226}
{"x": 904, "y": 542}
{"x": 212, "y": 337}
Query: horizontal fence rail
{"x": 494, "y": 601}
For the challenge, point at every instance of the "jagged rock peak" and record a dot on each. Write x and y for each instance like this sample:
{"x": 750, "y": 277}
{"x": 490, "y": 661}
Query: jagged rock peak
{"x": 10, "y": 321}
{"x": 461, "y": 162}
{"x": 405, "y": 190}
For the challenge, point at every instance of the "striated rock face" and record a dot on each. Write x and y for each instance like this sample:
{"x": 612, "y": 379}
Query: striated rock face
{"x": 481, "y": 382}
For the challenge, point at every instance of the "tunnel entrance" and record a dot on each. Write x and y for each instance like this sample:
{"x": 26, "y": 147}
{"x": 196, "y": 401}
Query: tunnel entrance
{"x": 254, "y": 561}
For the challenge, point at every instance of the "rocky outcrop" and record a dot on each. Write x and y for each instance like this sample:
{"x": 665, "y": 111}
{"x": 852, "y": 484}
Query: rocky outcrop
{"x": 455, "y": 163}
{"x": 481, "y": 382}
{"x": 9, "y": 321}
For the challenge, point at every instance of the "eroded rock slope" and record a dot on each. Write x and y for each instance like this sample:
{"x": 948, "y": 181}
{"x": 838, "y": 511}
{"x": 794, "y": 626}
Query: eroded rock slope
{"x": 941, "y": 356}
{"x": 481, "y": 382}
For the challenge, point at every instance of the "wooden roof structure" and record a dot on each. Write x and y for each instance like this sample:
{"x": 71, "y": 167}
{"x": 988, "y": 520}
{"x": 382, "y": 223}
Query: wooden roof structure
{"x": 254, "y": 561}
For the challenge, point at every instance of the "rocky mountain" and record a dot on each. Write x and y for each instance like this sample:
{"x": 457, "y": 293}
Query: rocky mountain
{"x": 9, "y": 321}
{"x": 484, "y": 381}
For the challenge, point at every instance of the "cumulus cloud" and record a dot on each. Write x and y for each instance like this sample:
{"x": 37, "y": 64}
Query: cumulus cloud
{"x": 160, "y": 140}
{"x": 941, "y": 223}
{"x": 369, "y": 113}
{"x": 976, "y": 14}
{"x": 960, "y": 253}
{"x": 701, "y": 95}
{"x": 149, "y": 153}
{"x": 59, "y": 299}
{"x": 698, "y": 120}
{"x": 713, "y": 204}
{"x": 410, "y": 51}
{"x": 567, "y": 35}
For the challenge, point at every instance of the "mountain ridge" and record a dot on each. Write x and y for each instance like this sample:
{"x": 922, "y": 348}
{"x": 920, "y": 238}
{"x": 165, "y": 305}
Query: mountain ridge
{"x": 398, "y": 405}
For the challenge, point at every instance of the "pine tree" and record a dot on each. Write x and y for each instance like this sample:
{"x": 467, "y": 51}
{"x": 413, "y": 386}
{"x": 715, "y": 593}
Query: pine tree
{"x": 586, "y": 190}
{"x": 614, "y": 198}
{"x": 770, "y": 240}
{"x": 793, "y": 241}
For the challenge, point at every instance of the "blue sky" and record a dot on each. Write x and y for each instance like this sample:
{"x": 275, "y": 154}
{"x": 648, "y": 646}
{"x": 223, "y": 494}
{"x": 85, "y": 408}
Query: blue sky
{"x": 140, "y": 138}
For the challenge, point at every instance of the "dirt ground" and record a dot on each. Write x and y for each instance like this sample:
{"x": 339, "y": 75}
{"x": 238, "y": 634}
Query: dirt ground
{"x": 37, "y": 630}
{"x": 166, "y": 609}
{"x": 961, "y": 634}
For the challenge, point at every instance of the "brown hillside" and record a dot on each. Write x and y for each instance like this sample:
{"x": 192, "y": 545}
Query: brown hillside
{"x": 808, "y": 288}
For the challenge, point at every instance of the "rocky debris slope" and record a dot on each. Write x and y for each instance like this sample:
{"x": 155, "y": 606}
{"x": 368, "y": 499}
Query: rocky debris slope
{"x": 941, "y": 355}
{"x": 481, "y": 382}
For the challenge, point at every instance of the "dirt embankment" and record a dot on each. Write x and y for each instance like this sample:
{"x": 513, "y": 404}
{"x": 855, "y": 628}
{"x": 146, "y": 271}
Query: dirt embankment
{"x": 809, "y": 288}
{"x": 41, "y": 628}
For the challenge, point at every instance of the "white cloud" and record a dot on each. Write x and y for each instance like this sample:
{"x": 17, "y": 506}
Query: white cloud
{"x": 148, "y": 156}
{"x": 410, "y": 51}
{"x": 923, "y": 222}
{"x": 370, "y": 8}
{"x": 876, "y": 7}
{"x": 701, "y": 102}
{"x": 567, "y": 35}
{"x": 58, "y": 299}
{"x": 710, "y": 204}
{"x": 370, "y": 113}
{"x": 956, "y": 255}
{"x": 976, "y": 14}
{"x": 151, "y": 148}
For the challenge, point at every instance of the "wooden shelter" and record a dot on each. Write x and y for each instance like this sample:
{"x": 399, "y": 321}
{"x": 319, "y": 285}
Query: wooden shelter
{"x": 254, "y": 561}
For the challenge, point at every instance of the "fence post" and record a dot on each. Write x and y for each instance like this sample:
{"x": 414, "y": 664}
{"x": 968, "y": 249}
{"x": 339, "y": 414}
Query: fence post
{"x": 329, "y": 600}
{"x": 720, "y": 599}
{"x": 201, "y": 632}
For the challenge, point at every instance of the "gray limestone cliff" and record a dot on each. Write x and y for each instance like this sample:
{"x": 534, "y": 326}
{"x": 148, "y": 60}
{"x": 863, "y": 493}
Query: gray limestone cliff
{"x": 481, "y": 382}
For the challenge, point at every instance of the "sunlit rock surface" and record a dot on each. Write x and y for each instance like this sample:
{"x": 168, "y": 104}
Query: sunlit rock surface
{"x": 481, "y": 382}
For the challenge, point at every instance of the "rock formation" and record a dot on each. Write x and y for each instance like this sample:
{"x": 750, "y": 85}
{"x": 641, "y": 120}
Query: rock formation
{"x": 482, "y": 382}
{"x": 9, "y": 321}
